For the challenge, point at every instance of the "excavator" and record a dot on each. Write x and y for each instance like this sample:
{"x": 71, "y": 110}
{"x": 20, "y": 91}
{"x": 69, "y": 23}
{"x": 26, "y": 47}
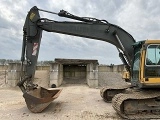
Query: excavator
{"x": 138, "y": 100}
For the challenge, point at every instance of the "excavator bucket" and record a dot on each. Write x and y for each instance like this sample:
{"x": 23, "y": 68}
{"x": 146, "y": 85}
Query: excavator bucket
{"x": 38, "y": 99}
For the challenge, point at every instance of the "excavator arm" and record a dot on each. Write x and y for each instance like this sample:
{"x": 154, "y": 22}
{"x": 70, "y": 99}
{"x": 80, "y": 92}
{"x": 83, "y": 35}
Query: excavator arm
{"x": 83, "y": 27}
{"x": 87, "y": 27}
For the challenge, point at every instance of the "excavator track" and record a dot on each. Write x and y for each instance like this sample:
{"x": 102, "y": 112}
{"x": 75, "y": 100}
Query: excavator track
{"x": 138, "y": 105}
{"x": 108, "y": 92}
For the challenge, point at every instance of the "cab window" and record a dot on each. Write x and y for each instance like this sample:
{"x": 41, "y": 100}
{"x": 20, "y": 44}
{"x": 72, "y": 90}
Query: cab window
{"x": 153, "y": 55}
{"x": 136, "y": 65}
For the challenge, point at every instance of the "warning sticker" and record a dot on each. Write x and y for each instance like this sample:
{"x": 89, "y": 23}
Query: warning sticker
{"x": 35, "y": 47}
{"x": 32, "y": 16}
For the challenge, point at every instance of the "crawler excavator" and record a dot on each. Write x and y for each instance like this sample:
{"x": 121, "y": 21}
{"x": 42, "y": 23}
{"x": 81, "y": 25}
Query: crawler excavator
{"x": 139, "y": 100}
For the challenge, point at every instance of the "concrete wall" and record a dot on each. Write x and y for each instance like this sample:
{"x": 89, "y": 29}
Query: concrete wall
{"x": 53, "y": 74}
{"x": 74, "y": 71}
{"x": 56, "y": 74}
{"x": 60, "y": 74}
{"x": 3, "y": 67}
{"x": 106, "y": 68}
{"x": 111, "y": 68}
{"x": 74, "y": 74}
{"x": 13, "y": 74}
{"x": 13, "y": 71}
{"x": 47, "y": 67}
{"x": 42, "y": 78}
{"x": 92, "y": 75}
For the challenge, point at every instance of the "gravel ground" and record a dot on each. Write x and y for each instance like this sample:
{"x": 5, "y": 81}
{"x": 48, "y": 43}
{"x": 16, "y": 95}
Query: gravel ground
{"x": 76, "y": 102}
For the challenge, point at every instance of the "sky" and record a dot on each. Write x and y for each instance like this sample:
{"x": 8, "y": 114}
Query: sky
{"x": 138, "y": 17}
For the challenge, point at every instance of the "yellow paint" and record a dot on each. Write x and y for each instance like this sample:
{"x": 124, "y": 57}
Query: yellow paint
{"x": 32, "y": 16}
{"x": 142, "y": 63}
{"x": 152, "y": 80}
{"x": 152, "y": 41}
{"x": 126, "y": 75}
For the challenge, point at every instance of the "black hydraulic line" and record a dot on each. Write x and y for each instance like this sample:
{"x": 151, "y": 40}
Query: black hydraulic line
{"x": 47, "y": 11}
{"x": 122, "y": 57}
{"x": 122, "y": 47}
{"x": 66, "y": 14}
{"x": 124, "y": 61}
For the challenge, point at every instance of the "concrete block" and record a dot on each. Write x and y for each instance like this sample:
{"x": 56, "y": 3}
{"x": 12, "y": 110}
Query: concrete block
{"x": 13, "y": 74}
{"x": 53, "y": 75}
{"x": 93, "y": 83}
{"x": 54, "y": 82}
{"x": 41, "y": 78}
{"x": 12, "y": 83}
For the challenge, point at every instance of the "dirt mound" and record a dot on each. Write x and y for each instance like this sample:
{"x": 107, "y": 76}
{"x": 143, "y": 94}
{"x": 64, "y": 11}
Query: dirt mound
{"x": 110, "y": 79}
